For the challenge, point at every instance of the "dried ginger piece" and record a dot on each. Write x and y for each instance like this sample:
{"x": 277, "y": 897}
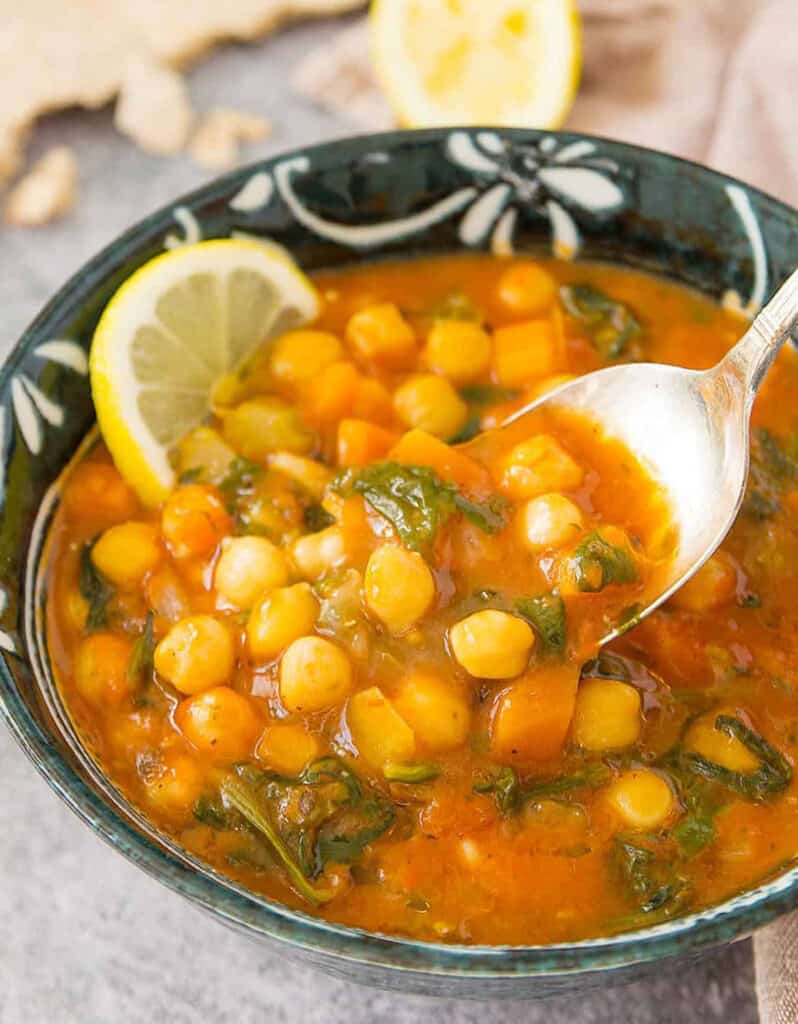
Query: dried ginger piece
{"x": 216, "y": 142}
{"x": 47, "y": 192}
{"x": 153, "y": 107}
{"x": 338, "y": 76}
{"x": 55, "y": 54}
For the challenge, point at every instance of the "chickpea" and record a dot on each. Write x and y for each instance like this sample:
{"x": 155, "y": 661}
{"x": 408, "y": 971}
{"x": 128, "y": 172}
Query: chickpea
{"x": 194, "y": 520}
{"x": 577, "y": 576}
{"x": 398, "y": 587}
{"x": 125, "y": 554}
{"x": 314, "y": 674}
{"x": 437, "y": 710}
{"x": 95, "y": 496}
{"x": 219, "y": 723}
{"x": 549, "y": 521}
{"x": 642, "y": 799}
{"x": 607, "y": 715}
{"x": 196, "y": 654}
{"x": 260, "y": 426}
{"x": 298, "y": 355}
{"x": 380, "y": 733}
{"x": 278, "y": 619}
{"x": 703, "y": 738}
{"x": 129, "y": 734}
{"x": 247, "y": 567}
{"x": 430, "y": 403}
{"x": 102, "y": 668}
{"x": 382, "y": 334}
{"x": 459, "y": 349}
{"x": 175, "y": 787}
{"x": 492, "y": 644}
{"x": 310, "y": 475}
{"x": 317, "y": 553}
{"x": 536, "y": 466}
{"x": 204, "y": 450}
{"x": 287, "y": 748}
{"x": 526, "y": 289}
{"x": 713, "y": 585}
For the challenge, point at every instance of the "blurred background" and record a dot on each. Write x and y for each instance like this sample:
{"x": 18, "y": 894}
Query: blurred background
{"x": 107, "y": 113}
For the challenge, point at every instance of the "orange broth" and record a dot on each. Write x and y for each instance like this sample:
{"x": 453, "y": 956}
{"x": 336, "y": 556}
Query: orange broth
{"x": 447, "y": 759}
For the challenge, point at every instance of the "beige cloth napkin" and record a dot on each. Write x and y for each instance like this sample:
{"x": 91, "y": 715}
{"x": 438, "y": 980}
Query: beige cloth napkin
{"x": 712, "y": 80}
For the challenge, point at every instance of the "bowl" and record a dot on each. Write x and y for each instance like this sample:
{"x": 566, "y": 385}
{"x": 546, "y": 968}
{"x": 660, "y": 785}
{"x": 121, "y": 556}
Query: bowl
{"x": 372, "y": 197}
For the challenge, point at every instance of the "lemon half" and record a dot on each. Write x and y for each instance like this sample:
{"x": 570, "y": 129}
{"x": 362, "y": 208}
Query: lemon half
{"x": 503, "y": 62}
{"x": 174, "y": 329}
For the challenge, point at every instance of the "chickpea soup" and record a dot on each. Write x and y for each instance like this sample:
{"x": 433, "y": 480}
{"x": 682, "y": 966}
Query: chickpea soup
{"x": 352, "y": 660}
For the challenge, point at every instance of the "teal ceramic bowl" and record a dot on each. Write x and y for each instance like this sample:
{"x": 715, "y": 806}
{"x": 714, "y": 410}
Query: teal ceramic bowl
{"x": 368, "y": 198}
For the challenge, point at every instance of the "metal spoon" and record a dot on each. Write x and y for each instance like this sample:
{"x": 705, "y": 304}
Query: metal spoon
{"x": 690, "y": 429}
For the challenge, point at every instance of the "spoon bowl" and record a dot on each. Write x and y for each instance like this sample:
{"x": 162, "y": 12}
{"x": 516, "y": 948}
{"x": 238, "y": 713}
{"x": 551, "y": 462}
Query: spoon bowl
{"x": 690, "y": 429}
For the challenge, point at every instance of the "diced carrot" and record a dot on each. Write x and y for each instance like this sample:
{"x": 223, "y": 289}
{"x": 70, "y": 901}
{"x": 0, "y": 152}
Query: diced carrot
{"x": 332, "y": 393}
{"x": 790, "y": 500}
{"x": 96, "y": 496}
{"x": 418, "y": 448}
{"x": 373, "y": 402}
{"x": 525, "y": 352}
{"x": 532, "y": 717}
{"x": 360, "y": 442}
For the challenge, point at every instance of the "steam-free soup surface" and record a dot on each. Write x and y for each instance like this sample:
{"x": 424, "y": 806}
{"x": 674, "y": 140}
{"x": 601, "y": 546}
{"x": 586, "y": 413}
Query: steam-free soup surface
{"x": 356, "y": 669}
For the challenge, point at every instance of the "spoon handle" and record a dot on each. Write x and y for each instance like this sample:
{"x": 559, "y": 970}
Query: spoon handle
{"x": 751, "y": 357}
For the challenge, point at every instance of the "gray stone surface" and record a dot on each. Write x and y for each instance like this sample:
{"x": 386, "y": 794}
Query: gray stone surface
{"x": 85, "y": 938}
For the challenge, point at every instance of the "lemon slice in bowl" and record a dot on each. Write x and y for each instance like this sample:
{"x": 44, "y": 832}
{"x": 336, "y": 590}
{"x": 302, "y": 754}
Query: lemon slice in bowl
{"x": 504, "y": 62}
{"x": 176, "y": 328}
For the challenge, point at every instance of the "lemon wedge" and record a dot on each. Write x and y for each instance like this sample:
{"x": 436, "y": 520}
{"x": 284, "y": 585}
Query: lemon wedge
{"x": 491, "y": 62}
{"x": 176, "y": 328}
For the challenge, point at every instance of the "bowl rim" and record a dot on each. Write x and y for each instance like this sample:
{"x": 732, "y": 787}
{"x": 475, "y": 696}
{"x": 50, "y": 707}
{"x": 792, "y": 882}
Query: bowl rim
{"x": 734, "y": 918}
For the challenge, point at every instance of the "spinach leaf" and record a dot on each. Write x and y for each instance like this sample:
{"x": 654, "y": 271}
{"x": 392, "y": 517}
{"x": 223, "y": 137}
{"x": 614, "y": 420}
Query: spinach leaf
{"x": 316, "y": 518}
{"x": 95, "y": 589}
{"x": 760, "y": 506}
{"x": 139, "y": 669}
{"x": 243, "y": 798}
{"x": 546, "y": 613}
{"x": 653, "y": 882}
{"x": 323, "y": 815}
{"x": 772, "y": 776}
{"x": 597, "y": 564}
{"x": 611, "y": 324}
{"x": 241, "y": 476}
{"x": 504, "y": 787}
{"x": 209, "y": 809}
{"x": 470, "y": 429}
{"x": 774, "y": 467}
{"x": 510, "y": 795}
{"x": 416, "y": 501}
{"x": 775, "y": 458}
{"x": 410, "y": 773}
{"x": 696, "y": 830}
{"x": 487, "y": 515}
{"x": 487, "y": 394}
{"x": 590, "y": 777}
{"x": 346, "y": 839}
